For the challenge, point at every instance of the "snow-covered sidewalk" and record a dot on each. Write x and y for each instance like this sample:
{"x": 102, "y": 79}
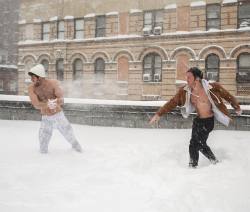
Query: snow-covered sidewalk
{"x": 121, "y": 170}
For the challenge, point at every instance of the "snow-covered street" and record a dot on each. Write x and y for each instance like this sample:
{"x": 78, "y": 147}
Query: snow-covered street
{"x": 121, "y": 170}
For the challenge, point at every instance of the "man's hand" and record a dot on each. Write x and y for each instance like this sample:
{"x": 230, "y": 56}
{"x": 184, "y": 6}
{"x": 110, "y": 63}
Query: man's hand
{"x": 154, "y": 119}
{"x": 52, "y": 104}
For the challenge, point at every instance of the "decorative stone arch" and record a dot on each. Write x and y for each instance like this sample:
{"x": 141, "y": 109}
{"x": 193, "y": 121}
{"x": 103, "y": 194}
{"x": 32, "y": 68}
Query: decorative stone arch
{"x": 153, "y": 49}
{"x": 212, "y": 49}
{"x": 126, "y": 53}
{"x": 183, "y": 49}
{"x": 236, "y": 51}
{"x": 104, "y": 55}
{"x": 27, "y": 57}
{"x": 75, "y": 56}
{"x": 44, "y": 57}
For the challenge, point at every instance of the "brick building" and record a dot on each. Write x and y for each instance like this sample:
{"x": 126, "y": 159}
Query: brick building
{"x": 136, "y": 50}
{"x": 9, "y": 10}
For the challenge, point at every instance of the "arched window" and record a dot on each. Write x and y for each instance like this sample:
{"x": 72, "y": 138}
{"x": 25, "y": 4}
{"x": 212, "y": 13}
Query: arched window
{"x": 99, "y": 70}
{"x": 212, "y": 67}
{"x": 77, "y": 69}
{"x": 45, "y": 63}
{"x": 59, "y": 69}
{"x": 152, "y": 68}
{"x": 243, "y": 68}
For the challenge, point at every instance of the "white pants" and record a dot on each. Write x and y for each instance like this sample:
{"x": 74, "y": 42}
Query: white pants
{"x": 57, "y": 121}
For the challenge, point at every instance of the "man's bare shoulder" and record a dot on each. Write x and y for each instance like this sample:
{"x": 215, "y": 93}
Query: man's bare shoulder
{"x": 53, "y": 82}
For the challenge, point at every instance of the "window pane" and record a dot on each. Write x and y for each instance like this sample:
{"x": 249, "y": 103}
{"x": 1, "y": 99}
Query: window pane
{"x": 244, "y": 10}
{"x": 61, "y": 25}
{"x": 99, "y": 70}
{"x": 45, "y": 28}
{"x": 157, "y": 61}
{"x": 61, "y": 35}
{"x": 148, "y": 62}
{"x": 213, "y": 11}
{"x": 45, "y": 31}
{"x": 100, "y": 65}
{"x": 213, "y": 17}
{"x": 101, "y": 32}
{"x": 60, "y": 64}
{"x": 78, "y": 69}
{"x": 59, "y": 69}
{"x": 79, "y": 34}
{"x": 212, "y": 61}
{"x": 79, "y": 24}
{"x": 100, "y": 22}
{"x": 100, "y": 26}
{"x": 148, "y": 17}
{"x": 46, "y": 37}
{"x": 78, "y": 64}
{"x": 213, "y": 24}
{"x": 213, "y": 14}
{"x": 159, "y": 16}
{"x": 244, "y": 61}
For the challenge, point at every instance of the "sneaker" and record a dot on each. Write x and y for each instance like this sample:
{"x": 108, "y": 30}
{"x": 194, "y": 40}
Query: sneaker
{"x": 77, "y": 147}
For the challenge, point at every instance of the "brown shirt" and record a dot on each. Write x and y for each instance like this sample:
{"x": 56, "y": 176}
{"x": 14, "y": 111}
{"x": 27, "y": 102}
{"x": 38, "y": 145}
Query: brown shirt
{"x": 40, "y": 94}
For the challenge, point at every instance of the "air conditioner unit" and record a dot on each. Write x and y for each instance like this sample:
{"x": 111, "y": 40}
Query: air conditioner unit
{"x": 146, "y": 31}
{"x": 212, "y": 76}
{"x": 146, "y": 77}
{"x": 157, "y": 77}
{"x": 157, "y": 30}
{"x": 245, "y": 23}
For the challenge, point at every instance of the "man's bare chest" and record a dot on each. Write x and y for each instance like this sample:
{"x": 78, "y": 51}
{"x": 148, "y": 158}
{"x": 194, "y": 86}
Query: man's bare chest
{"x": 199, "y": 98}
{"x": 44, "y": 92}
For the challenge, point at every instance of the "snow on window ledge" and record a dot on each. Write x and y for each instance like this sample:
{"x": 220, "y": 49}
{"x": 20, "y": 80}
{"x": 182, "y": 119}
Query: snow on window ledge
{"x": 170, "y": 6}
{"x": 229, "y": 1}
{"x": 198, "y": 4}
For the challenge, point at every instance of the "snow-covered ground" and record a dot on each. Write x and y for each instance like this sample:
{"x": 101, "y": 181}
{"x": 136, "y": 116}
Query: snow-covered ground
{"x": 121, "y": 170}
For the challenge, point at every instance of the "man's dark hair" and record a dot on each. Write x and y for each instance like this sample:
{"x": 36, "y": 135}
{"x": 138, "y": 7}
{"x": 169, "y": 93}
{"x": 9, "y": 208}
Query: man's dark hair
{"x": 31, "y": 74}
{"x": 197, "y": 73}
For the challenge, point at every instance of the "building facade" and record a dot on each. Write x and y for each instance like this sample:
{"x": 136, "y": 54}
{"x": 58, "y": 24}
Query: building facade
{"x": 9, "y": 10}
{"x": 136, "y": 50}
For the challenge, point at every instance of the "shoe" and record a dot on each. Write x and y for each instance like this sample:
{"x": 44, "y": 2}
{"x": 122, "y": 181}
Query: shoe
{"x": 193, "y": 166}
{"x": 77, "y": 147}
{"x": 215, "y": 161}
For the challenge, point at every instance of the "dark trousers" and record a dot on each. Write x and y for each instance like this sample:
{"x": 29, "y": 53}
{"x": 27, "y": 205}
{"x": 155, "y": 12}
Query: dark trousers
{"x": 200, "y": 131}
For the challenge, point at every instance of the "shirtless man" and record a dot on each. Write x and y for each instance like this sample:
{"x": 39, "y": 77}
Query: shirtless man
{"x": 206, "y": 99}
{"x": 47, "y": 96}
